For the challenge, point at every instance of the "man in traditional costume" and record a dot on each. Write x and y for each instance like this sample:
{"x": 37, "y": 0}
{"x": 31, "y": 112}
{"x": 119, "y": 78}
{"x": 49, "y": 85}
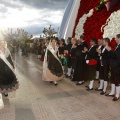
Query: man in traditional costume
{"x": 91, "y": 61}
{"x": 80, "y": 65}
{"x": 61, "y": 50}
{"x": 115, "y": 70}
{"x": 104, "y": 66}
{"x": 68, "y": 57}
{"x": 100, "y": 47}
{"x": 72, "y": 54}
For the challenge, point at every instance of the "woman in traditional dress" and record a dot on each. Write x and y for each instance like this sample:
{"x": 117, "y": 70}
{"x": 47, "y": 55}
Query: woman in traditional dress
{"x": 8, "y": 79}
{"x": 52, "y": 68}
{"x": 39, "y": 48}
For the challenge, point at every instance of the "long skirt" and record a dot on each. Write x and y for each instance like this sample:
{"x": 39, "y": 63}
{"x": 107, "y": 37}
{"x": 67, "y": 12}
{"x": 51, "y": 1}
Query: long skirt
{"x": 50, "y": 77}
{"x": 80, "y": 70}
{"x": 53, "y": 70}
{"x": 8, "y": 80}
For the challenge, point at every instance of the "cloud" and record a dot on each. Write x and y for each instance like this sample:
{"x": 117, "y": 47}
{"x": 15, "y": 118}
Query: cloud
{"x": 3, "y": 8}
{"x": 31, "y": 15}
{"x": 37, "y": 30}
{"x": 3, "y": 11}
{"x": 48, "y": 4}
{"x": 12, "y": 3}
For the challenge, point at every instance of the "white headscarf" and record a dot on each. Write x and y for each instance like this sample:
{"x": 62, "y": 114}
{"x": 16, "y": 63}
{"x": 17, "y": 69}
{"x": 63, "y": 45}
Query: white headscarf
{"x": 4, "y": 56}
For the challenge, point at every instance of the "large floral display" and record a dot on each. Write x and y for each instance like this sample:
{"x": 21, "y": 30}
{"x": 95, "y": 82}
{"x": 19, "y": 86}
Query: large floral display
{"x": 98, "y": 19}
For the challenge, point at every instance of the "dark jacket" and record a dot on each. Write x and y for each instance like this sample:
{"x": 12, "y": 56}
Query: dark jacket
{"x": 79, "y": 49}
{"x": 61, "y": 50}
{"x": 73, "y": 51}
{"x": 105, "y": 58}
{"x": 101, "y": 50}
{"x": 68, "y": 47}
{"x": 92, "y": 54}
{"x": 115, "y": 57}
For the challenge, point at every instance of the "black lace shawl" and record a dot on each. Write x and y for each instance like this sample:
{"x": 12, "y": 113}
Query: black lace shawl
{"x": 54, "y": 65}
{"x": 7, "y": 77}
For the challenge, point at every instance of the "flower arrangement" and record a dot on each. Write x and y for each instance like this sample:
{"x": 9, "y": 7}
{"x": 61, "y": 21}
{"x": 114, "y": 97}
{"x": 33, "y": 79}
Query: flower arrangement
{"x": 113, "y": 26}
{"x": 79, "y": 29}
{"x": 94, "y": 25}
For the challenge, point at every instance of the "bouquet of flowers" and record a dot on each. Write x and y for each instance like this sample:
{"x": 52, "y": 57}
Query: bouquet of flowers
{"x": 63, "y": 59}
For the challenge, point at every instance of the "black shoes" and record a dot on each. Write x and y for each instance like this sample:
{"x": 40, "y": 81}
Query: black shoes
{"x": 68, "y": 76}
{"x": 88, "y": 89}
{"x": 115, "y": 99}
{"x": 98, "y": 89}
{"x": 102, "y": 93}
{"x": 55, "y": 84}
{"x": 78, "y": 83}
{"x": 109, "y": 95}
{"x": 87, "y": 86}
{"x": 5, "y": 94}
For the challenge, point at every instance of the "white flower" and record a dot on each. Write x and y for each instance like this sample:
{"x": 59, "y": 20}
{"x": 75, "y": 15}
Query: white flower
{"x": 113, "y": 27}
{"x": 79, "y": 28}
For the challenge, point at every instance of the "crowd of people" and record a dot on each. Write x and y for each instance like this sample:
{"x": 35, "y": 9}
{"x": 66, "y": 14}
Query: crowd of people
{"x": 84, "y": 63}
{"x": 76, "y": 60}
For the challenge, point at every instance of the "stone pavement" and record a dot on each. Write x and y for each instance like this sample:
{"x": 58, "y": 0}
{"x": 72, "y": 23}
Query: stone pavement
{"x": 38, "y": 100}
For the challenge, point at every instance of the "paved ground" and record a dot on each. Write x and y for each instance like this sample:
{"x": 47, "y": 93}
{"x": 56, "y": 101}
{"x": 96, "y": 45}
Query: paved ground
{"x": 38, "y": 100}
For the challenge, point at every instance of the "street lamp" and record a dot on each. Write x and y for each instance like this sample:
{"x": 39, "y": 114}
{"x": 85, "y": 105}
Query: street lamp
{"x": 49, "y": 32}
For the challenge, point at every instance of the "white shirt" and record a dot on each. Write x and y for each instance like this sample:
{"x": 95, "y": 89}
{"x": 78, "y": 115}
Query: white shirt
{"x": 87, "y": 61}
{"x": 101, "y": 56}
{"x": 102, "y": 52}
{"x": 100, "y": 47}
{"x": 88, "y": 51}
{"x": 116, "y": 47}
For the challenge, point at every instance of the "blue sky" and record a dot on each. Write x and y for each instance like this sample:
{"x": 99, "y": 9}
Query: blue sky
{"x": 31, "y": 15}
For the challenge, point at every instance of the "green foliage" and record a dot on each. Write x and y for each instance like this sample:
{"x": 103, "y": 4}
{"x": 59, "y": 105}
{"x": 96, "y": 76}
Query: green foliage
{"x": 101, "y": 5}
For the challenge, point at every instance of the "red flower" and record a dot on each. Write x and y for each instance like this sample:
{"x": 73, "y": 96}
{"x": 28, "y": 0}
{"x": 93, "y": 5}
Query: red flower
{"x": 113, "y": 44}
{"x": 92, "y": 27}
